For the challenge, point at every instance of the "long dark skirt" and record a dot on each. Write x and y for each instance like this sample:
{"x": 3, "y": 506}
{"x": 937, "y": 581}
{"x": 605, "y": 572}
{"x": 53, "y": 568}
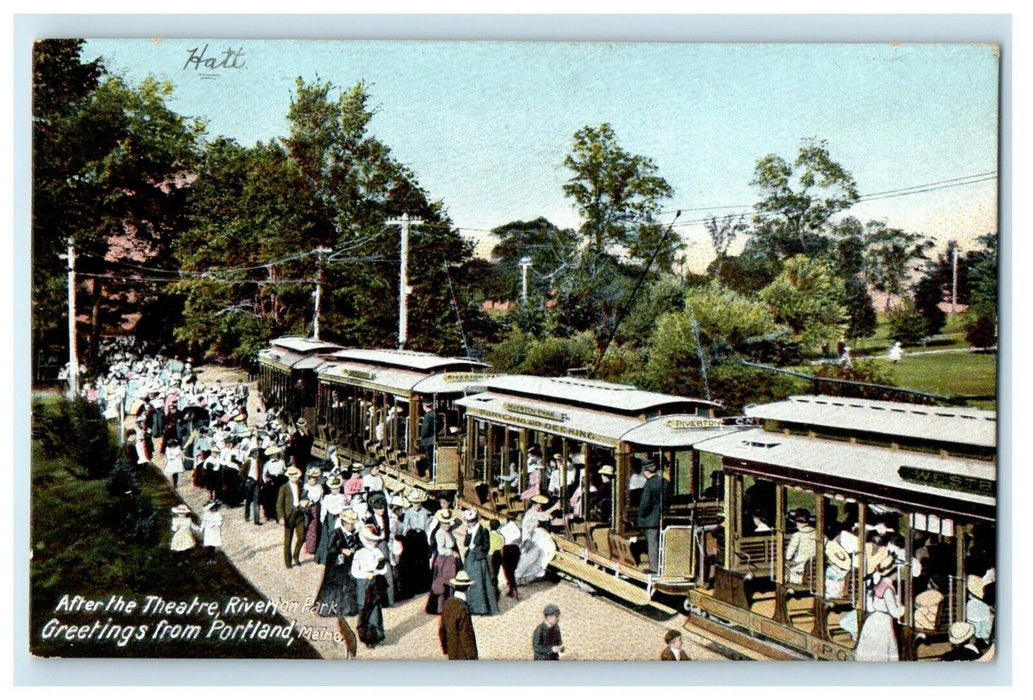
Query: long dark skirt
{"x": 445, "y": 569}
{"x": 312, "y": 529}
{"x": 413, "y": 566}
{"x": 371, "y": 617}
{"x": 481, "y": 594}
{"x": 337, "y": 594}
{"x": 325, "y": 529}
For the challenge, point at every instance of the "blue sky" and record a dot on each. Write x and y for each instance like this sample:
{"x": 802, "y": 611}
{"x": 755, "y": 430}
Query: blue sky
{"x": 485, "y": 125}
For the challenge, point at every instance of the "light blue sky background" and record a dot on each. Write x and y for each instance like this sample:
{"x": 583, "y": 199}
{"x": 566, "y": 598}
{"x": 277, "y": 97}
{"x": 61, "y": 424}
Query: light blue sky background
{"x": 485, "y": 125}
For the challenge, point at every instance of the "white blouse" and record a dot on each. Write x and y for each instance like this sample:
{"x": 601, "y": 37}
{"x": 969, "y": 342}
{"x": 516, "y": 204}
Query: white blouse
{"x": 366, "y": 561}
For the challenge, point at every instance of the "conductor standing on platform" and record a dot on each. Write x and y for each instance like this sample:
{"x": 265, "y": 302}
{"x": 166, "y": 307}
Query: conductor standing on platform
{"x": 655, "y": 496}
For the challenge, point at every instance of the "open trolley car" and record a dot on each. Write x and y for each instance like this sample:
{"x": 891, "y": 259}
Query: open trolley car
{"x": 871, "y": 476}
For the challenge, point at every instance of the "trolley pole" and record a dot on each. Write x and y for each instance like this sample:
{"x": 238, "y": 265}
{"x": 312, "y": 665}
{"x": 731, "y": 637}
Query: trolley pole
{"x": 73, "y": 350}
{"x": 403, "y": 276}
{"x": 525, "y": 262}
{"x": 320, "y": 258}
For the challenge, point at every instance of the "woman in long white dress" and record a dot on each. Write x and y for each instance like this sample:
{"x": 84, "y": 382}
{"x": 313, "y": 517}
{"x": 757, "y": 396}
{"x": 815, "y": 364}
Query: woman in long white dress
{"x": 878, "y": 638}
{"x": 537, "y": 547}
{"x": 173, "y": 462}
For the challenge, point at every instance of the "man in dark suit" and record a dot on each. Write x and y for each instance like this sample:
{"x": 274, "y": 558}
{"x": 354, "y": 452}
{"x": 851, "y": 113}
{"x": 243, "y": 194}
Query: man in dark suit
{"x": 656, "y": 495}
{"x": 458, "y": 641}
{"x": 428, "y": 431}
{"x": 290, "y": 510}
{"x": 299, "y": 445}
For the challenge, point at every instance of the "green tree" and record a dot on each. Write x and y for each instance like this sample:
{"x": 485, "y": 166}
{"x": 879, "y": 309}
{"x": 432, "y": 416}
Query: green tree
{"x": 551, "y": 251}
{"x": 907, "y": 325}
{"x": 860, "y": 309}
{"x": 810, "y": 298}
{"x": 798, "y": 201}
{"x": 619, "y": 196}
{"x": 891, "y": 257}
{"x": 728, "y": 317}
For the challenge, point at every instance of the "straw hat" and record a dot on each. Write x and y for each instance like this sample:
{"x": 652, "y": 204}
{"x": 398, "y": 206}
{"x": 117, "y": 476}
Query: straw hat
{"x": 181, "y": 509}
{"x": 349, "y": 516}
{"x": 974, "y": 584}
{"x": 293, "y": 471}
{"x": 334, "y": 482}
{"x": 880, "y": 561}
{"x": 461, "y": 580}
{"x": 539, "y": 499}
{"x": 314, "y": 471}
{"x": 961, "y": 632}
{"x": 302, "y": 423}
{"x": 273, "y": 450}
{"x": 368, "y": 534}
{"x": 416, "y": 496}
{"x": 470, "y": 515}
{"x": 606, "y": 470}
{"x": 444, "y": 516}
{"x": 837, "y": 556}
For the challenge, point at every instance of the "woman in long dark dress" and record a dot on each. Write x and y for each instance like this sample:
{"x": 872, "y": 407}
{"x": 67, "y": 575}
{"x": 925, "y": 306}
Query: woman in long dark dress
{"x": 368, "y": 569}
{"x": 336, "y": 597}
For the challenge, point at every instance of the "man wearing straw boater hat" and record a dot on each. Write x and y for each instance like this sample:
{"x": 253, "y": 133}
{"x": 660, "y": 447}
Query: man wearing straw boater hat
{"x": 963, "y": 643}
{"x": 299, "y": 445}
{"x": 290, "y": 510}
{"x": 458, "y": 641}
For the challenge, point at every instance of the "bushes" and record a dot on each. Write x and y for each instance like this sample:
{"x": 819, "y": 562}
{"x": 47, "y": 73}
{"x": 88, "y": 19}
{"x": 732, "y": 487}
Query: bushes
{"x": 77, "y": 429}
{"x": 981, "y": 331}
{"x": 907, "y": 325}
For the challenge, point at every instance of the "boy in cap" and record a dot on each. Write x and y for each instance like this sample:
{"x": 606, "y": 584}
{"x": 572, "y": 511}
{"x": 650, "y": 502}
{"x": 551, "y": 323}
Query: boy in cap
{"x": 672, "y": 647}
{"x": 455, "y": 629}
{"x": 547, "y": 639}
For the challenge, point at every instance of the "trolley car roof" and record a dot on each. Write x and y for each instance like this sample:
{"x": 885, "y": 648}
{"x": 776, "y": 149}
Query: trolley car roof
{"x": 594, "y": 426}
{"x": 966, "y": 426}
{"x": 406, "y": 358}
{"x": 835, "y": 466}
{"x": 398, "y": 381}
{"x": 589, "y": 392}
{"x": 305, "y": 346}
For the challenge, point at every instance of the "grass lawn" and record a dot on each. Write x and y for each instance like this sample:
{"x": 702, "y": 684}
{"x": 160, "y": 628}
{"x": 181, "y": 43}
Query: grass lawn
{"x": 74, "y": 553}
{"x": 948, "y": 374}
{"x": 951, "y": 336}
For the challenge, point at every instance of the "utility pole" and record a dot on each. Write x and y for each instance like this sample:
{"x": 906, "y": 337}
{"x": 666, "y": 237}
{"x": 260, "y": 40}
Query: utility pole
{"x": 954, "y": 284}
{"x": 73, "y": 349}
{"x": 320, "y": 258}
{"x": 525, "y": 262}
{"x": 403, "y": 276}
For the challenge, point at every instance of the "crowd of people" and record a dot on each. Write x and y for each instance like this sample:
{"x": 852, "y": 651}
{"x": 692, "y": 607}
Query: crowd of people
{"x": 377, "y": 547}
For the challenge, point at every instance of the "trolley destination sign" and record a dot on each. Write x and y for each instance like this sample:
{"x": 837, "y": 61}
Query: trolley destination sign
{"x": 953, "y": 482}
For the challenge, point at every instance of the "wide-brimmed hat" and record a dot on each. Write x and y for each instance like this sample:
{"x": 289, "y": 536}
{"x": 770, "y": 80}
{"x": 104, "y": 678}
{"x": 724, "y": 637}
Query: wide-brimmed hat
{"x": 879, "y": 560}
{"x": 470, "y": 515}
{"x": 974, "y": 585}
{"x": 273, "y": 450}
{"x": 444, "y": 515}
{"x": 837, "y": 556}
{"x": 334, "y": 482}
{"x": 314, "y": 471}
{"x": 606, "y": 470}
{"x": 293, "y": 471}
{"x": 348, "y": 516}
{"x": 369, "y": 534}
{"x": 302, "y": 423}
{"x": 416, "y": 496}
{"x": 181, "y": 509}
{"x": 961, "y": 632}
{"x": 539, "y": 499}
{"x": 460, "y": 580}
